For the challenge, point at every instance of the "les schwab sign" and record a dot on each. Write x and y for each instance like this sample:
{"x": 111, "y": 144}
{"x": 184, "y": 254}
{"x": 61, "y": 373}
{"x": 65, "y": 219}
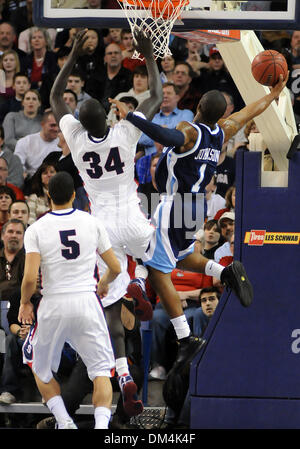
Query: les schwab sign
{"x": 260, "y": 237}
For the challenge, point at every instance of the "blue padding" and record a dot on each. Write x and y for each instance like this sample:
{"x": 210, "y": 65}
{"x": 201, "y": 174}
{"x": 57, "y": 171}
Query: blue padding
{"x": 253, "y": 352}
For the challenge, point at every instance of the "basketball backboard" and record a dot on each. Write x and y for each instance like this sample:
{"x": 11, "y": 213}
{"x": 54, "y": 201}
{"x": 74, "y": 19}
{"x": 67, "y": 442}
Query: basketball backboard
{"x": 276, "y": 15}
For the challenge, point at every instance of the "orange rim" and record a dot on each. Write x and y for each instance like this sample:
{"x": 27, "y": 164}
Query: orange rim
{"x": 157, "y": 4}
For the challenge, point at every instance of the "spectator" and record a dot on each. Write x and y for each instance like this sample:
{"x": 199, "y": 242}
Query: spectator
{"x": 225, "y": 174}
{"x": 62, "y": 55}
{"x": 12, "y": 258}
{"x": 225, "y": 260}
{"x": 294, "y": 49}
{"x": 7, "y": 196}
{"x": 218, "y": 77}
{"x": 182, "y": 78}
{"x": 131, "y": 103}
{"x": 229, "y": 203}
{"x": 239, "y": 138}
{"x": 19, "y": 209}
{"x": 91, "y": 63}
{"x": 167, "y": 68}
{"x": 64, "y": 39}
{"x": 71, "y": 100}
{"x": 24, "y": 39}
{"x": 76, "y": 84}
{"x": 169, "y": 115}
{"x": 10, "y": 64}
{"x": 28, "y": 121}
{"x": 115, "y": 37}
{"x": 11, "y": 387}
{"x": 38, "y": 202}
{"x": 33, "y": 148}
{"x": 214, "y": 201}
{"x": 188, "y": 285}
{"x": 196, "y": 56}
{"x": 21, "y": 85}
{"x": 41, "y": 63}
{"x": 226, "y": 223}
{"x": 3, "y": 179}
{"x": 111, "y": 79}
{"x": 8, "y": 40}
{"x": 209, "y": 299}
{"x": 63, "y": 161}
{"x": 20, "y": 14}
{"x": 127, "y": 61}
{"x": 140, "y": 91}
{"x": 148, "y": 191}
{"x": 15, "y": 169}
{"x": 208, "y": 239}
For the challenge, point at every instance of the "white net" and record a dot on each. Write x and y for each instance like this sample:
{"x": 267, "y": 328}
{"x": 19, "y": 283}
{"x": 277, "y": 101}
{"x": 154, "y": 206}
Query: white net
{"x": 155, "y": 18}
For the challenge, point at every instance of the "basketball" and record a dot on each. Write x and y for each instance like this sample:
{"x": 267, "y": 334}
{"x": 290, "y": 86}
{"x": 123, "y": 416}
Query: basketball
{"x": 267, "y": 66}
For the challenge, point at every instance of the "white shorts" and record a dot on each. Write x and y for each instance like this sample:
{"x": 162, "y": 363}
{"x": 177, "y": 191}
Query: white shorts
{"x": 129, "y": 234}
{"x": 77, "y": 319}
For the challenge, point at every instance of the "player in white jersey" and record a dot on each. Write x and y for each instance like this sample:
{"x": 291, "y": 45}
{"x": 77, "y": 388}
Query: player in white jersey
{"x": 105, "y": 160}
{"x": 64, "y": 243}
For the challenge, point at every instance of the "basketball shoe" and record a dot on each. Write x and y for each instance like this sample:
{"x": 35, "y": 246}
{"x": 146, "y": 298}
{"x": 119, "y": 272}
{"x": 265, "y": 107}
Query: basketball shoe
{"x": 132, "y": 405}
{"x": 143, "y": 308}
{"x": 234, "y": 276}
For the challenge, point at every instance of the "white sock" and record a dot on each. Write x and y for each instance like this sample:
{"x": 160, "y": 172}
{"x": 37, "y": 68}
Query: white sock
{"x": 102, "y": 417}
{"x": 213, "y": 268}
{"x": 181, "y": 326}
{"x": 57, "y": 407}
{"x": 122, "y": 366}
{"x": 141, "y": 272}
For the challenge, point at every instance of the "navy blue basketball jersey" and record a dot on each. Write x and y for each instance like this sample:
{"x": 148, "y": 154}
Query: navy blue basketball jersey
{"x": 190, "y": 172}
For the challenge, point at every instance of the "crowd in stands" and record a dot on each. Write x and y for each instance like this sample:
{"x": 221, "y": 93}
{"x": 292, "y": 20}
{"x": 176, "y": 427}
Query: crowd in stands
{"x": 32, "y": 150}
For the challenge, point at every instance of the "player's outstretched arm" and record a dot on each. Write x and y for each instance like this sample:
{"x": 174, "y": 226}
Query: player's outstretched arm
{"x": 182, "y": 137}
{"x": 151, "y": 105}
{"x": 57, "y": 102}
{"x": 236, "y": 121}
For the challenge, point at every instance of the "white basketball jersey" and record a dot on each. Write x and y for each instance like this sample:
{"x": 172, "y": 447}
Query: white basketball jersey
{"x": 106, "y": 165}
{"x": 67, "y": 241}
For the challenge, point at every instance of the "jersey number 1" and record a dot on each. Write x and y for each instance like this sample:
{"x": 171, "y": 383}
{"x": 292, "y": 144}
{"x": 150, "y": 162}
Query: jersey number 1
{"x": 73, "y": 249}
{"x": 113, "y": 163}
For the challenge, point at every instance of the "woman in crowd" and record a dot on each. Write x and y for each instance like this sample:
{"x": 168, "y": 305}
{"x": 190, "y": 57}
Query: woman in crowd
{"x": 229, "y": 203}
{"x": 10, "y": 64}
{"x": 27, "y": 121}
{"x": 167, "y": 66}
{"x": 41, "y": 63}
{"x": 7, "y": 197}
{"x": 38, "y": 200}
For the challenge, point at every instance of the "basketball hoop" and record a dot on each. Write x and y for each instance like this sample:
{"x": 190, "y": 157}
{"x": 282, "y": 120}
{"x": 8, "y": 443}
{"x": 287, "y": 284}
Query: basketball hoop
{"x": 156, "y": 19}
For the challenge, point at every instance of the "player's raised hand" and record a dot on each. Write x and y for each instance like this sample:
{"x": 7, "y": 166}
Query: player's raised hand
{"x": 120, "y": 106}
{"x": 80, "y": 39}
{"x": 143, "y": 44}
{"x": 279, "y": 86}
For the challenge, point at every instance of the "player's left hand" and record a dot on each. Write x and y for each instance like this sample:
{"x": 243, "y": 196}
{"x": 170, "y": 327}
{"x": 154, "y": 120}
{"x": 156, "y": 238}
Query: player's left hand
{"x": 102, "y": 289}
{"x": 121, "y": 107}
{"x": 78, "y": 45}
{"x": 143, "y": 44}
{"x": 26, "y": 315}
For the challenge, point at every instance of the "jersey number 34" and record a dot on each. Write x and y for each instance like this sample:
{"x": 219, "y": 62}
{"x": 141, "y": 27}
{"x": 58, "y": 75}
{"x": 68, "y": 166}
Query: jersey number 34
{"x": 113, "y": 163}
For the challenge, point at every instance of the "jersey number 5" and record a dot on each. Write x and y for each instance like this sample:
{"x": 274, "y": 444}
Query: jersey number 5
{"x": 73, "y": 249}
{"x": 113, "y": 163}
